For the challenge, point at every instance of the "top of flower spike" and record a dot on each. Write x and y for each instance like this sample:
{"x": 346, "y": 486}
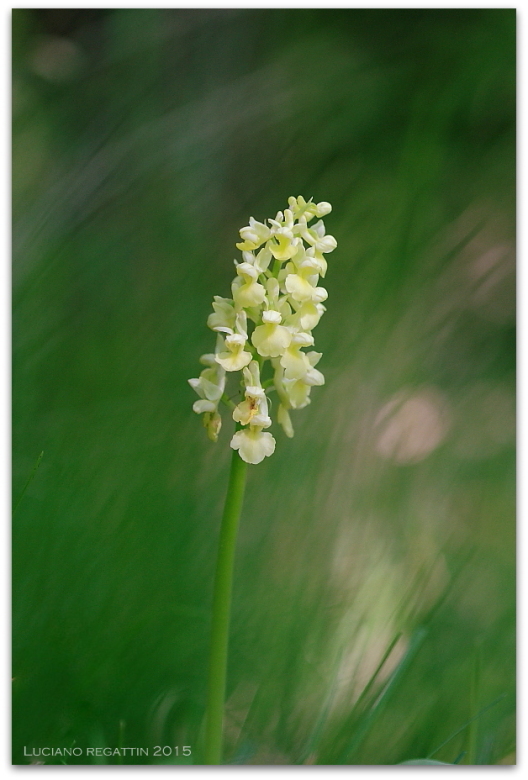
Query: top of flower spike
{"x": 283, "y": 228}
{"x": 276, "y": 303}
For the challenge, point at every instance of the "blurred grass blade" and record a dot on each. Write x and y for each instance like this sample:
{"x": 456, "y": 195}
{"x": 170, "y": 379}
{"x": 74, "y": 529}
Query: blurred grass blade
{"x": 368, "y": 687}
{"x": 352, "y": 717}
{"x": 466, "y": 724}
{"x": 474, "y": 695}
{"x": 323, "y": 716}
{"x": 371, "y": 716}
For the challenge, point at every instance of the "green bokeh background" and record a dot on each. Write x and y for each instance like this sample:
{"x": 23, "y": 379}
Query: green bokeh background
{"x": 142, "y": 141}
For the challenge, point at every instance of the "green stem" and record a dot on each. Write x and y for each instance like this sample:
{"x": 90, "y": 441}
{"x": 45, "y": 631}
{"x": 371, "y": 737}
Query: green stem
{"x": 227, "y": 401}
{"x": 223, "y": 587}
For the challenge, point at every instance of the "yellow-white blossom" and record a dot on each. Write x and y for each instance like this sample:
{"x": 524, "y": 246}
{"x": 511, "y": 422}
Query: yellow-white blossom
{"x": 283, "y": 244}
{"x": 210, "y": 387}
{"x": 301, "y": 208}
{"x": 271, "y": 338}
{"x": 235, "y": 357}
{"x": 247, "y": 291}
{"x": 254, "y": 235}
{"x": 260, "y": 261}
{"x": 293, "y": 360}
{"x": 306, "y": 315}
{"x": 300, "y": 279}
{"x": 223, "y": 315}
{"x": 317, "y": 238}
{"x": 294, "y": 389}
{"x": 253, "y": 444}
{"x": 254, "y": 408}
{"x": 276, "y": 292}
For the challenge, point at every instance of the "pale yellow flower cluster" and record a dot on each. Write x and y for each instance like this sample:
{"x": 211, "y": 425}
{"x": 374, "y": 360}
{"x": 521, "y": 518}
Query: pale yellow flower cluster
{"x": 276, "y": 303}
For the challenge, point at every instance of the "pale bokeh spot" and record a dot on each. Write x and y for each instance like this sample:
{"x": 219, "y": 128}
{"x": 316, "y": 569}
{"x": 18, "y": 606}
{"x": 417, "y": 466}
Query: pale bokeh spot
{"x": 410, "y": 428}
{"x": 57, "y": 59}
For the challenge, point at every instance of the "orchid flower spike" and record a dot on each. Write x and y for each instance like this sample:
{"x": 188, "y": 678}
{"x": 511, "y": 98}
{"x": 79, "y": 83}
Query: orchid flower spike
{"x": 267, "y": 325}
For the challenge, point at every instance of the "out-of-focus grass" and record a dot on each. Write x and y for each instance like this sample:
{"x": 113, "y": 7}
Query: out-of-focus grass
{"x": 142, "y": 141}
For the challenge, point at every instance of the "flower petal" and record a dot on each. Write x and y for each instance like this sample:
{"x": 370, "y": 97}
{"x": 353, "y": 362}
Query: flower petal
{"x": 234, "y": 361}
{"x": 253, "y": 445}
{"x": 271, "y": 340}
{"x": 249, "y": 294}
{"x": 283, "y": 416}
{"x": 204, "y": 406}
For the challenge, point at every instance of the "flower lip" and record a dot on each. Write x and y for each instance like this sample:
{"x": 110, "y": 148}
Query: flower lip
{"x": 253, "y": 445}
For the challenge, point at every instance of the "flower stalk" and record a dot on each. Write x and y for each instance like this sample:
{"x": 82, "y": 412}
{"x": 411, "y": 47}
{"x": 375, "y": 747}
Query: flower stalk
{"x": 223, "y": 587}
